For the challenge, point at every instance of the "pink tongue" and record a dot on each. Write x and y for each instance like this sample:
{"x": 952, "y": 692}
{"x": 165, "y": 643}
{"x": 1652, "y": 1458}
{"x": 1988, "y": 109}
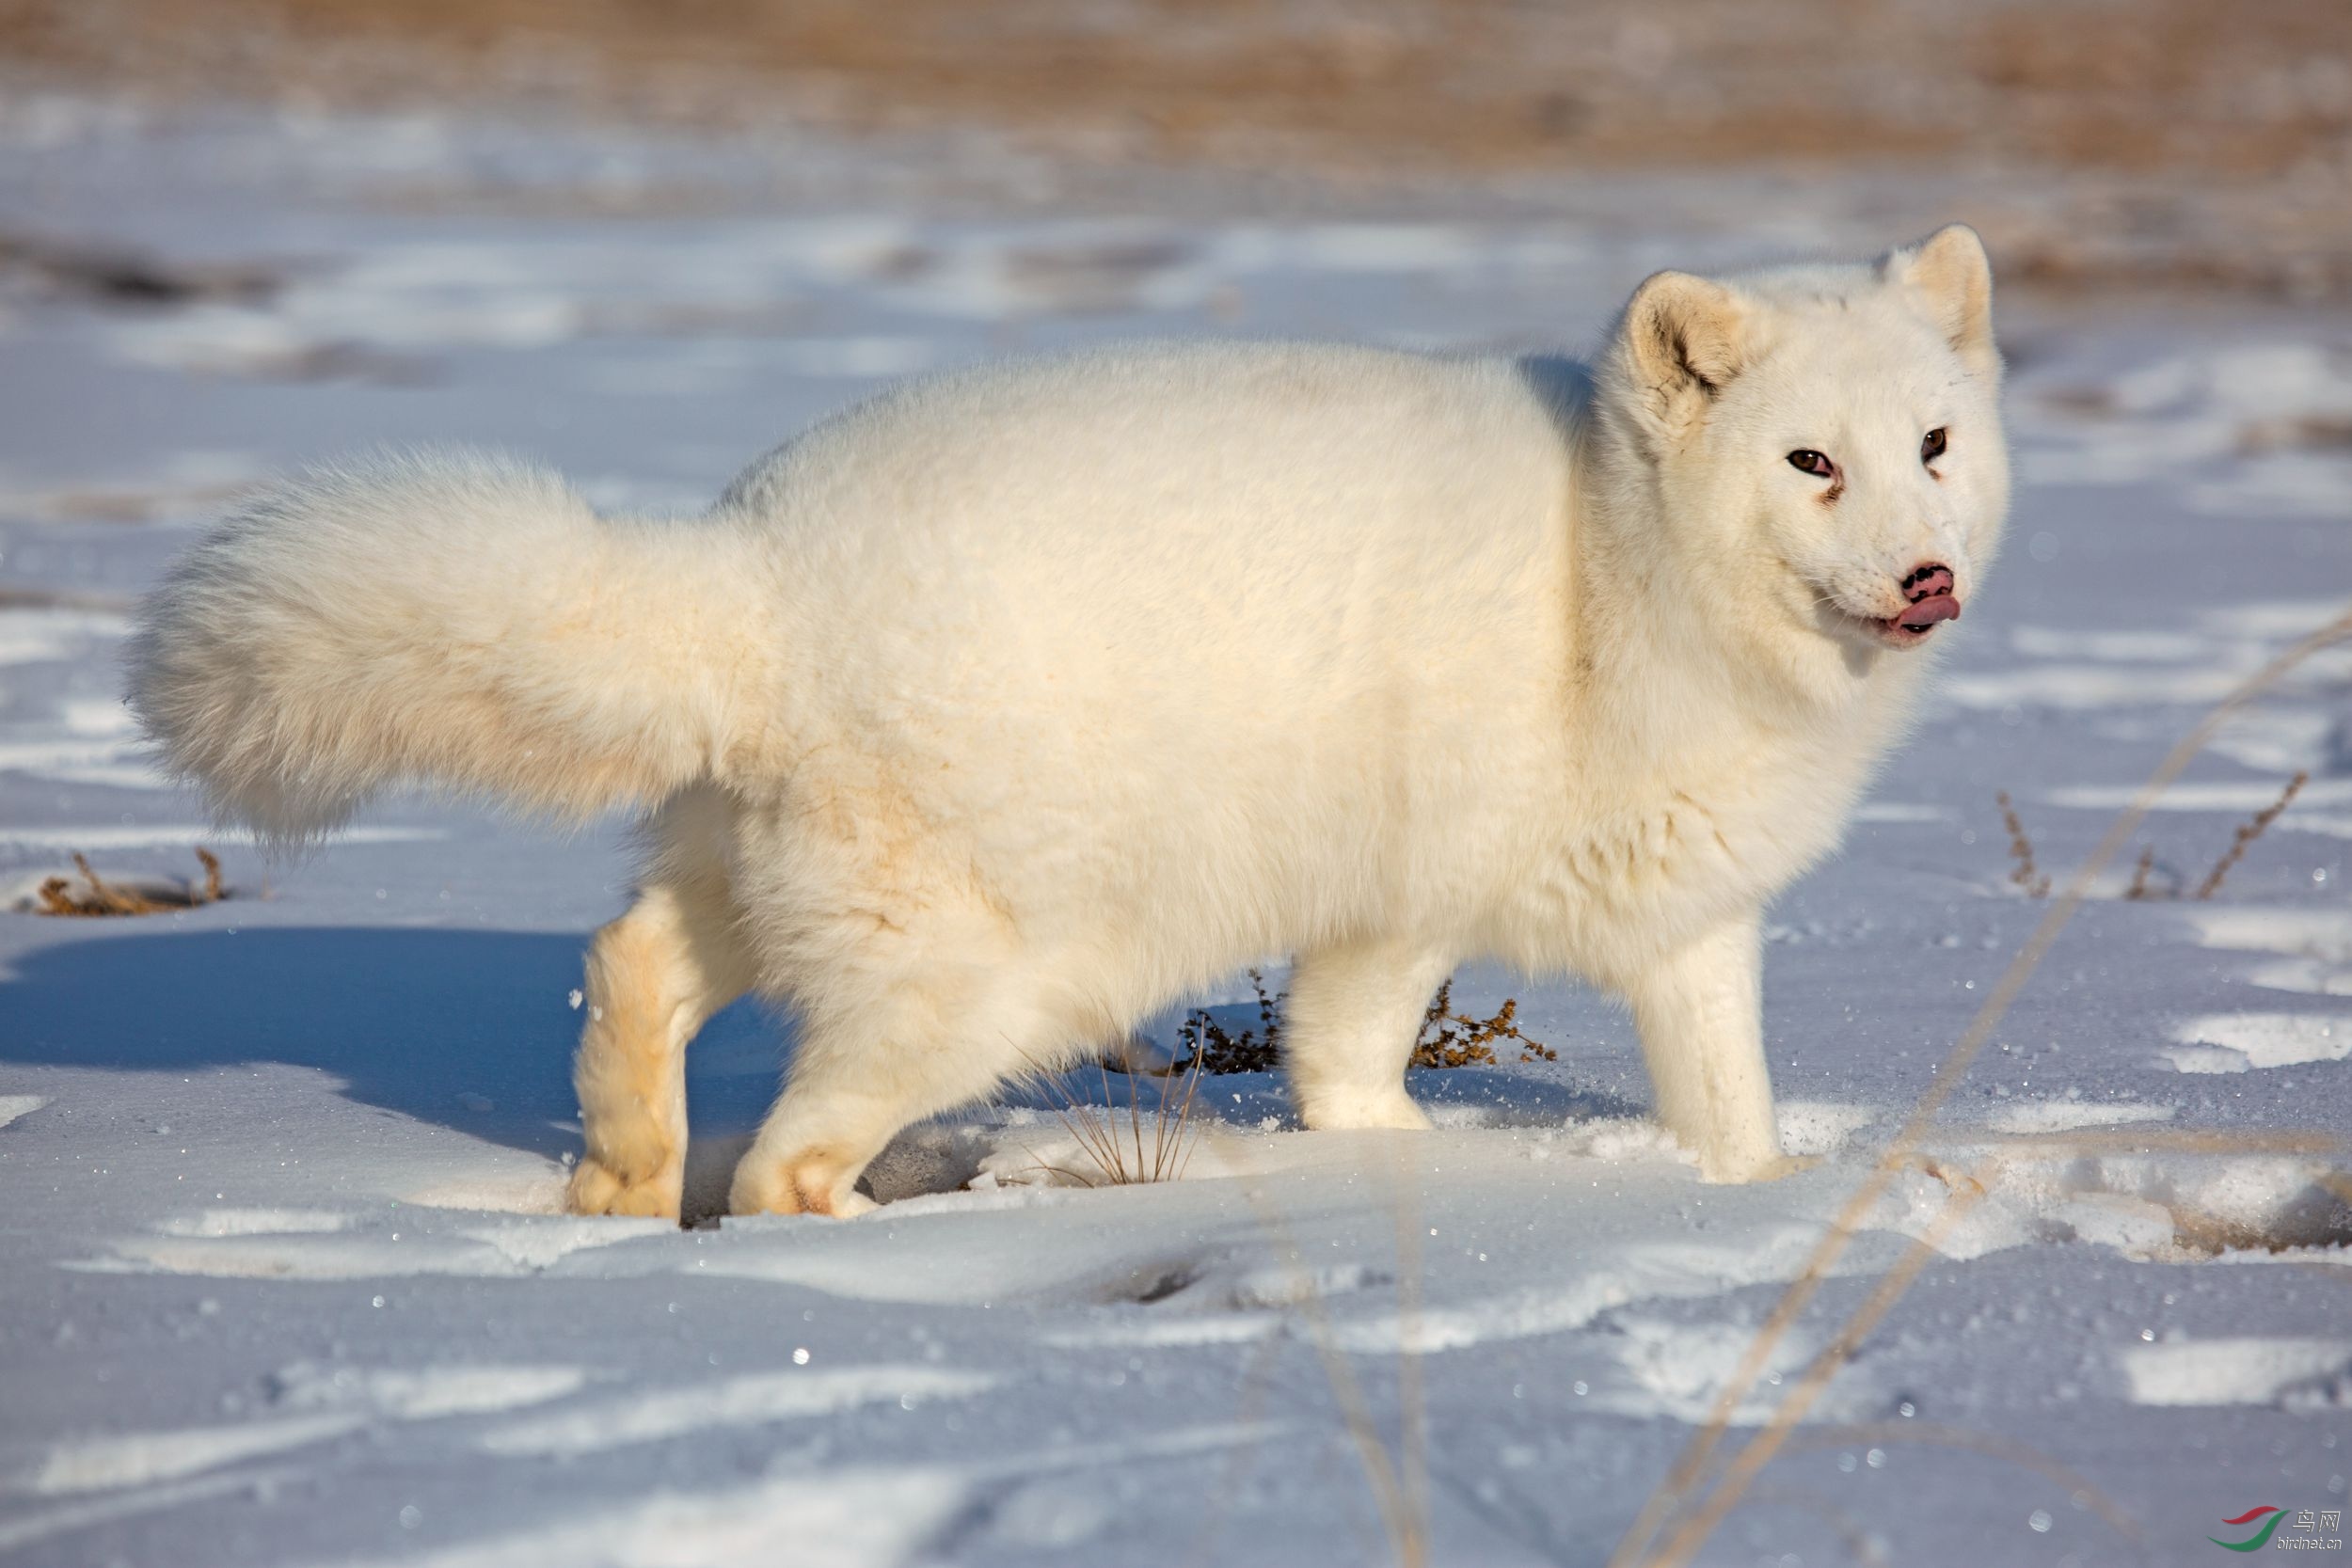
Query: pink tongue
{"x": 1927, "y": 611}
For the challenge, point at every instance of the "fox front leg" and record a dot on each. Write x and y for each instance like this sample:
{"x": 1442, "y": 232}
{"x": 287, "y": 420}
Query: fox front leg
{"x": 1700, "y": 1013}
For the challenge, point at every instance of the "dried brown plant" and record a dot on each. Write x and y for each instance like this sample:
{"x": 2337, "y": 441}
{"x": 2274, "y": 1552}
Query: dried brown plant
{"x": 1448, "y": 1038}
{"x": 2026, "y": 876}
{"x": 2143, "y": 884}
{"x": 1212, "y": 1048}
{"x": 2247, "y": 833}
{"x": 97, "y": 896}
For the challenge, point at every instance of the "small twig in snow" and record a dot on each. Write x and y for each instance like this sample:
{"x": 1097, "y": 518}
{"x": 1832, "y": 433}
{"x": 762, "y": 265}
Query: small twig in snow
{"x": 2247, "y": 833}
{"x": 2028, "y": 875}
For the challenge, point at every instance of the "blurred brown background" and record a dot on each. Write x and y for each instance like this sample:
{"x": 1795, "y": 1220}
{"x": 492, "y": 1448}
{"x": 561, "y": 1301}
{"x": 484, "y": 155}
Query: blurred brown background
{"x": 2161, "y": 143}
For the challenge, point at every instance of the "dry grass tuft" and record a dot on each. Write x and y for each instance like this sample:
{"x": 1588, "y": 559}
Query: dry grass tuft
{"x": 1142, "y": 1146}
{"x": 1448, "y": 1038}
{"x": 99, "y": 896}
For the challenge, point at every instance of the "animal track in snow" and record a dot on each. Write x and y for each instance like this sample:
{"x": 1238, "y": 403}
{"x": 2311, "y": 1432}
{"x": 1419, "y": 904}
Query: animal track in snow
{"x": 2236, "y": 1371}
{"x": 540, "y": 1244}
{"x": 135, "y": 1458}
{"x": 2067, "y": 1115}
{"x": 844, "y": 1518}
{"x": 321, "y": 1403}
{"x": 2160, "y": 1208}
{"x": 83, "y": 1509}
{"x": 2310, "y": 949}
{"x": 350, "y": 1255}
{"x": 314, "y": 1243}
{"x": 754, "y": 1400}
{"x": 1679, "y": 1370}
{"x": 1809, "y": 1127}
{"x": 255, "y": 1222}
{"x": 420, "y": 1394}
{"x": 535, "y": 1190}
{"x": 1634, "y": 1273}
{"x": 2237, "y": 1042}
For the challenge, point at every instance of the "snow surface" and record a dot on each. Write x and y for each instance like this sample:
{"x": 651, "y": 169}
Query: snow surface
{"x": 283, "y": 1278}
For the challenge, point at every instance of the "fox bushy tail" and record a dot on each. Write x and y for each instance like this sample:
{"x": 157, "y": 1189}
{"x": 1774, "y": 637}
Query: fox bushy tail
{"x": 447, "y": 618}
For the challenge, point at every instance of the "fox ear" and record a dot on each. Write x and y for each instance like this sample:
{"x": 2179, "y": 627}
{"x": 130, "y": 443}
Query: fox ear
{"x": 1951, "y": 276}
{"x": 1681, "y": 342}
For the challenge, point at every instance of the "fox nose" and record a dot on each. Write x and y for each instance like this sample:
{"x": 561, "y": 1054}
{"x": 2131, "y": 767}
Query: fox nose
{"x": 1928, "y": 579}
{"x": 1928, "y": 591}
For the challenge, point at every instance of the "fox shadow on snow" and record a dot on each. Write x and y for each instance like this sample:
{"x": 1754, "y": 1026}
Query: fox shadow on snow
{"x": 471, "y": 1030}
{"x": 474, "y": 1030}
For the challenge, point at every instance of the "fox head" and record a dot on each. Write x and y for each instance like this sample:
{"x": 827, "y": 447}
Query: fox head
{"x": 1823, "y": 444}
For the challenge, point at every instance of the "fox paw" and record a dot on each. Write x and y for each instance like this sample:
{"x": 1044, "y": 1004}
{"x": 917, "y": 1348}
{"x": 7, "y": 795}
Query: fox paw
{"x": 598, "y": 1188}
{"x": 803, "y": 1185}
{"x": 1769, "y": 1168}
{"x": 1351, "y": 1111}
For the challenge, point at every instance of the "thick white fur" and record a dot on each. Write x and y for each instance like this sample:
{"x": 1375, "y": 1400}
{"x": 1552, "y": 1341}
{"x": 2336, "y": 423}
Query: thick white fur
{"x": 1004, "y": 710}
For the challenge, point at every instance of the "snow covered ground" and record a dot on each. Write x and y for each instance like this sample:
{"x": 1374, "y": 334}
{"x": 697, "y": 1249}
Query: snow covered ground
{"x": 282, "y": 1277}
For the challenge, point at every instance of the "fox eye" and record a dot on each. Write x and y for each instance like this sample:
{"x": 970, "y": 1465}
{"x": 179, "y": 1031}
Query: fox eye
{"x": 1931, "y": 445}
{"x": 1806, "y": 460}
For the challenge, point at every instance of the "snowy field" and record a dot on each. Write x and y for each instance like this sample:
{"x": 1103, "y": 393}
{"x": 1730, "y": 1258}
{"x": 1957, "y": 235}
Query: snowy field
{"x": 282, "y": 1277}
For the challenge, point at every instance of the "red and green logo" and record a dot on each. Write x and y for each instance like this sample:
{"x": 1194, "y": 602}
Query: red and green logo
{"x": 2257, "y": 1540}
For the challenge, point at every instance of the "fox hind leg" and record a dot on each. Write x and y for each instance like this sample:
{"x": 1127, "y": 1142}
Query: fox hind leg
{"x": 863, "y": 1073}
{"x": 901, "y": 1019}
{"x": 655, "y": 977}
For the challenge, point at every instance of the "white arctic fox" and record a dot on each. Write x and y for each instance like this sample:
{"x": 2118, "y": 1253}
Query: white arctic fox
{"x": 1002, "y": 710}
